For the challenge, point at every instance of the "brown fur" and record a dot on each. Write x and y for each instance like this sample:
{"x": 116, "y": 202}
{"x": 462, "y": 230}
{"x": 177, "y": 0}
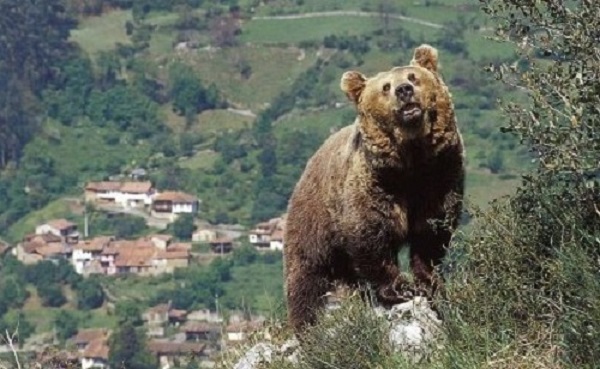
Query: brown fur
{"x": 372, "y": 187}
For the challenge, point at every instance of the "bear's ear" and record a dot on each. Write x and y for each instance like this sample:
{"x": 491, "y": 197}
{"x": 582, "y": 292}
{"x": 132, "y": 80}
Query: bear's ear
{"x": 353, "y": 84}
{"x": 426, "y": 56}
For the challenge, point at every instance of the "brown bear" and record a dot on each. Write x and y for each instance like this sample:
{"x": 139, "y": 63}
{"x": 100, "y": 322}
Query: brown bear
{"x": 375, "y": 186}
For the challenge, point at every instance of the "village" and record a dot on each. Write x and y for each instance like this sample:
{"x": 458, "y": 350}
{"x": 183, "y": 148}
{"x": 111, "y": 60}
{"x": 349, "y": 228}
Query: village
{"x": 172, "y": 334}
{"x": 150, "y": 255}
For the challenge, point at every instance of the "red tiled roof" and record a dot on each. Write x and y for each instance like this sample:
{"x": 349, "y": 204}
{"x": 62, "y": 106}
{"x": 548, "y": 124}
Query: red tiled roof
{"x": 30, "y": 246}
{"x": 60, "y": 224}
{"x": 136, "y": 187}
{"x": 175, "y": 254}
{"x": 106, "y": 186}
{"x": 180, "y": 246}
{"x": 177, "y": 314}
{"x": 277, "y": 235}
{"x": 95, "y": 244}
{"x": 97, "y": 349}
{"x": 42, "y": 238}
{"x": 134, "y": 257}
{"x": 175, "y": 196}
{"x": 49, "y": 250}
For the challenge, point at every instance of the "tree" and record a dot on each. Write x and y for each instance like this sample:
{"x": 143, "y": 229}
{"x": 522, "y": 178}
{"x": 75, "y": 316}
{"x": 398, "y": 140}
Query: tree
{"x": 128, "y": 349}
{"x": 183, "y": 227}
{"x": 90, "y": 294}
{"x": 51, "y": 294}
{"x": 129, "y": 311}
{"x": 65, "y": 324}
{"x": 526, "y": 277}
{"x": 16, "y": 322}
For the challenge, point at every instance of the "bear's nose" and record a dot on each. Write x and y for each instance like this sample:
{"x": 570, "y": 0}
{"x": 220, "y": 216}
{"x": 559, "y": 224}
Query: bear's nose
{"x": 404, "y": 92}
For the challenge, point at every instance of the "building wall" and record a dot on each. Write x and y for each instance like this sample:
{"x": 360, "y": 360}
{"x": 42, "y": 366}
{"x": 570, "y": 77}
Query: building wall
{"x": 276, "y": 245}
{"x": 185, "y": 208}
{"x": 88, "y": 363}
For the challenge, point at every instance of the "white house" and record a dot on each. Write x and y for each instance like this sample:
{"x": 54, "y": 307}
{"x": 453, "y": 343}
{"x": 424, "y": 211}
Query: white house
{"x": 170, "y": 204}
{"x": 135, "y": 194}
{"x": 62, "y": 228}
{"x": 86, "y": 253}
{"x": 276, "y": 242}
{"x": 126, "y": 194}
{"x": 268, "y": 234}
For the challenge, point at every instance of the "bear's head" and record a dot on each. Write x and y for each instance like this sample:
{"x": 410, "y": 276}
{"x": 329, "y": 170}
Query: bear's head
{"x": 405, "y": 102}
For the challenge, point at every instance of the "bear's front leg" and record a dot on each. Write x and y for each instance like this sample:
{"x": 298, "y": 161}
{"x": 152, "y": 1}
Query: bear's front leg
{"x": 305, "y": 289}
{"x": 427, "y": 249}
{"x": 384, "y": 276}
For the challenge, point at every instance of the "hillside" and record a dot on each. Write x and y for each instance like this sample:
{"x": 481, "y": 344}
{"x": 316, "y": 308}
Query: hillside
{"x": 179, "y": 90}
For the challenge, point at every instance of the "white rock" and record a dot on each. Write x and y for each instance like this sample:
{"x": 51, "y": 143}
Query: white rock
{"x": 260, "y": 353}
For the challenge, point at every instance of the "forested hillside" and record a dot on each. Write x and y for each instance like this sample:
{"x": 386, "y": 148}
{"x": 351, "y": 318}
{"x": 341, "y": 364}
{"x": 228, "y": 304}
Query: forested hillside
{"x": 223, "y": 99}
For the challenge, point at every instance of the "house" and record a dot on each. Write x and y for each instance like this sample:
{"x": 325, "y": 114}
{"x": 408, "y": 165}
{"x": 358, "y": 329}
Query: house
{"x": 125, "y": 194}
{"x": 171, "y": 204}
{"x": 221, "y": 245}
{"x": 240, "y": 331}
{"x": 204, "y": 315}
{"x": 166, "y": 351}
{"x": 62, "y": 228}
{"x": 177, "y": 317}
{"x": 199, "y": 331}
{"x": 85, "y": 336}
{"x": 156, "y": 318}
{"x": 95, "y": 355}
{"x": 138, "y": 174}
{"x": 102, "y": 192}
{"x": 85, "y": 253}
{"x": 268, "y": 235}
{"x": 204, "y": 235}
{"x": 145, "y": 256}
{"x": 166, "y": 261}
{"x": 135, "y": 258}
{"x": 276, "y": 241}
{"x": 135, "y": 194}
{"x": 37, "y": 247}
{"x": 92, "y": 345}
{"x": 161, "y": 241}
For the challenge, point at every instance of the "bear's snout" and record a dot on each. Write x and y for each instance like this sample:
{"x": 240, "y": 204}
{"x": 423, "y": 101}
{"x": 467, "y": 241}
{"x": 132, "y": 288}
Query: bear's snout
{"x": 404, "y": 92}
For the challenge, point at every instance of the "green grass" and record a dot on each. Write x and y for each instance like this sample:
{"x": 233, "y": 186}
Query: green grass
{"x": 212, "y": 121}
{"x": 82, "y": 148}
{"x": 102, "y": 33}
{"x": 253, "y": 284}
{"x": 59, "y": 208}
{"x": 292, "y": 31}
{"x": 483, "y": 187}
{"x": 273, "y": 70}
{"x": 135, "y": 288}
{"x": 202, "y": 160}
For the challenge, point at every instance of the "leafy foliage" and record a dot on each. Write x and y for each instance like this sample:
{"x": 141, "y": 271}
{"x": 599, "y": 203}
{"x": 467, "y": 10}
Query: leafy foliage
{"x": 183, "y": 227}
{"x": 90, "y": 294}
{"x": 528, "y": 272}
{"x": 128, "y": 349}
{"x": 66, "y": 325}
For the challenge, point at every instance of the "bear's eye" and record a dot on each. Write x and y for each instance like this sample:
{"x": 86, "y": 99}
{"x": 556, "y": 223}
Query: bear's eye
{"x": 412, "y": 77}
{"x": 386, "y": 87}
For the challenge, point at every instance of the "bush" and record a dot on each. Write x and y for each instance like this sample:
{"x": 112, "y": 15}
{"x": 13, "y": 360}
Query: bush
{"x": 524, "y": 285}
